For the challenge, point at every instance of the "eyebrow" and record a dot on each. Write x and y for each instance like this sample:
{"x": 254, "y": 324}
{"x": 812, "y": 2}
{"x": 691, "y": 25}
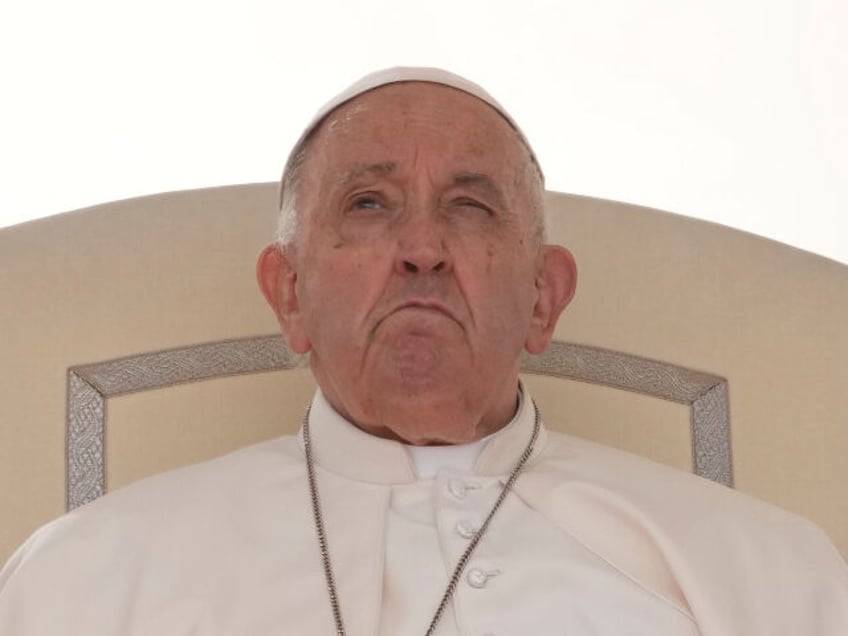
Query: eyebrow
{"x": 382, "y": 169}
{"x": 483, "y": 183}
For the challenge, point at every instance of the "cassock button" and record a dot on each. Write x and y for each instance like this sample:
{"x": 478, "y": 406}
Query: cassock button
{"x": 478, "y": 578}
{"x": 458, "y": 488}
{"x": 466, "y": 529}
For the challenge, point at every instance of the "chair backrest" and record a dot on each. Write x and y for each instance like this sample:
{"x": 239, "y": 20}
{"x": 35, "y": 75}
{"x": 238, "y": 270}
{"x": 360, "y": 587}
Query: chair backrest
{"x": 133, "y": 340}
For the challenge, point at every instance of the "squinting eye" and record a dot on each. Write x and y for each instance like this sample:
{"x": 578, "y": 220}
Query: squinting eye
{"x": 472, "y": 204}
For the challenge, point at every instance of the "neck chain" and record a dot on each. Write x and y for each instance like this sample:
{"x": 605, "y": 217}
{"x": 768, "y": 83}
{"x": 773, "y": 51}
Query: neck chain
{"x": 463, "y": 560}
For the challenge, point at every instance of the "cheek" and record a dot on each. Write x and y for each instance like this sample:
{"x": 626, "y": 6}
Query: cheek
{"x": 501, "y": 291}
{"x": 339, "y": 289}
{"x": 514, "y": 286}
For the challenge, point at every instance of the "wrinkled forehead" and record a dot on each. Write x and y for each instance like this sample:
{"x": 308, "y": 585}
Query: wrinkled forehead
{"x": 392, "y": 112}
{"x": 404, "y": 75}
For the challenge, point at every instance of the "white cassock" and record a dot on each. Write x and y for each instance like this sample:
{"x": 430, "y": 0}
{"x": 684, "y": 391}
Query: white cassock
{"x": 591, "y": 541}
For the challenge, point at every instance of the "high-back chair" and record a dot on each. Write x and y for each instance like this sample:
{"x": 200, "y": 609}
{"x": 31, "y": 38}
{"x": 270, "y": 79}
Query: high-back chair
{"x": 133, "y": 340}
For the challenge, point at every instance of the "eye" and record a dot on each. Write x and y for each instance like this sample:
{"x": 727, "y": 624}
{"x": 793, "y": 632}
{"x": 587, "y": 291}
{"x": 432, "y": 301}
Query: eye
{"x": 366, "y": 201}
{"x": 465, "y": 203}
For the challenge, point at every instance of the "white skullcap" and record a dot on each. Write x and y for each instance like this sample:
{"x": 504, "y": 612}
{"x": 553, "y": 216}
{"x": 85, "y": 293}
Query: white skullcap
{"x": 408, "y": 74}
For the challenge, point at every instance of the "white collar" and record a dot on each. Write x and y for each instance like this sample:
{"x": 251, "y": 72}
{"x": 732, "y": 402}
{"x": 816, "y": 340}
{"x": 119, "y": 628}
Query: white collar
{"x": 346, "y": 450}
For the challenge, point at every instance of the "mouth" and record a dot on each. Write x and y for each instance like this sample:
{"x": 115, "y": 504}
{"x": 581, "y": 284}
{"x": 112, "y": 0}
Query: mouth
{"x": 427, "y": 306}
{"x": 424, "y": 316}
{"x": 424, "y": 307}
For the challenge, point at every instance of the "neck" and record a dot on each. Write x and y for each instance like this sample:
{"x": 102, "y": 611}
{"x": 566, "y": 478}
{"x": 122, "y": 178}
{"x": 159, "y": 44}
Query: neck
{"x": 436, "y": 424}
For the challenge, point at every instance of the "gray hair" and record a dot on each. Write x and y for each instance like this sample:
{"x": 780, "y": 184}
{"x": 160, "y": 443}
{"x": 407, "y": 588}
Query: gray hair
{"x": 288, "y": 221}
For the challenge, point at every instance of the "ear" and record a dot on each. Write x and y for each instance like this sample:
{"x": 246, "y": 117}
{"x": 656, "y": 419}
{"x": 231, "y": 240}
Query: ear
{"x": 277, "y": 279}
{"x": 556, "y": 281}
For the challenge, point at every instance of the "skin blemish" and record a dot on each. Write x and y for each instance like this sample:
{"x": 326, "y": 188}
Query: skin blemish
{"x": 490, "y": 257}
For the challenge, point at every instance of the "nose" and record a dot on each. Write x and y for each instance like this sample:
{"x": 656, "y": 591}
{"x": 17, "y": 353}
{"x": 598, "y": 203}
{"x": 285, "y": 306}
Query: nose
{"x": 421, "y": 248}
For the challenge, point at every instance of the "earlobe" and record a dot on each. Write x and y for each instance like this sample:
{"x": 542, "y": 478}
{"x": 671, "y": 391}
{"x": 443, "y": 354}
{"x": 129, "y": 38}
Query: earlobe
{"x": 556, "y": 282}
{"x": 277, "y": 278}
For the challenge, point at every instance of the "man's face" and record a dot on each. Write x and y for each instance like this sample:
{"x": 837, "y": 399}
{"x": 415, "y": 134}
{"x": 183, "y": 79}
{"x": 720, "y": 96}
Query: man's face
{"x": 415, "y": 274}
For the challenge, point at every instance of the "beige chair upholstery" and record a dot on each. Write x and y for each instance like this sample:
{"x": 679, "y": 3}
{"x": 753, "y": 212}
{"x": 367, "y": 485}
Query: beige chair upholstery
{"x": 133, "y": 340}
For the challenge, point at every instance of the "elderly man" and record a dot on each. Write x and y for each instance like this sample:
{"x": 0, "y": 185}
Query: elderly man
{"x": 423, "y": 495}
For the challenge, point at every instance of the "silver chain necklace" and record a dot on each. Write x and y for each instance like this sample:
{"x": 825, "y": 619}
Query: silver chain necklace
{"x": 463, "y": 560}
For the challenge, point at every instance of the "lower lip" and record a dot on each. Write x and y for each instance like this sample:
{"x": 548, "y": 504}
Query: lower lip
{"x": 418, "y": 315}
{"x": 428, "y": 310}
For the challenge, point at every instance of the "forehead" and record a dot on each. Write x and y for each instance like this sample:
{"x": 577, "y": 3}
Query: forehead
{"x": 412, "y": 117}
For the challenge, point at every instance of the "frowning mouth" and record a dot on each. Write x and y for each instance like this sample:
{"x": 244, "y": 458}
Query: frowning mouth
{"x": 423, "y": 306}
{"x": 429, "y": 314}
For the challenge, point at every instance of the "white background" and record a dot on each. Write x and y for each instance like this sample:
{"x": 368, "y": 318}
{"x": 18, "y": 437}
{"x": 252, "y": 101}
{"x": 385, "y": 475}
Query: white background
{"x": 729, "y": 110}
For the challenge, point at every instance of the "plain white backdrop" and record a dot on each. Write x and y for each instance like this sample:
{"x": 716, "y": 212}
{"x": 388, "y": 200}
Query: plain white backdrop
{"x": 728, "y": 110}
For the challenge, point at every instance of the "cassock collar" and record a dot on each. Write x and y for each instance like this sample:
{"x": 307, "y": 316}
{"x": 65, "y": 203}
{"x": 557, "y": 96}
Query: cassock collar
{"x": 346, "y": 450}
